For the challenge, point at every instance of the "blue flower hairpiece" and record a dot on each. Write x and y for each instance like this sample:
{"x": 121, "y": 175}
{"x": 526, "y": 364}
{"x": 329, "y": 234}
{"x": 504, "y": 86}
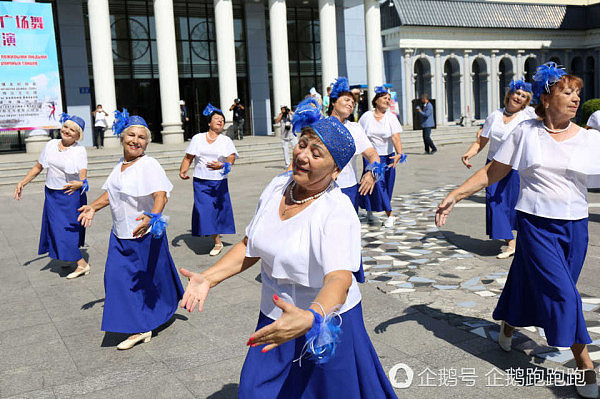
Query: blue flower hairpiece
{"x": 381, "y": 89}
{"x": 338, "y": 87}
{"x": 123, "y": 120}
{"x": 66, "y": 117}
{"x": 545, "y": 76}
{"x": 520, "y": 85}
{"x": 307, "y": 113}
{"x": 210, "y": 109}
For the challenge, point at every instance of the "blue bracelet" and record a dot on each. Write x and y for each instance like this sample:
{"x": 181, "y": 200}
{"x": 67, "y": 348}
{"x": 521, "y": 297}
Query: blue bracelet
{"x": 322, "y": 338}
{"x": 85, "y": 186}
{"x": 158, "y": 223}
{"x": 226, "y": 168}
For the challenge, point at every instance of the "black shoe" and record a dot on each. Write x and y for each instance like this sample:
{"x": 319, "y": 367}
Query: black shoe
{"x": 433, "y": 152}
{"x": 427, "y": 152}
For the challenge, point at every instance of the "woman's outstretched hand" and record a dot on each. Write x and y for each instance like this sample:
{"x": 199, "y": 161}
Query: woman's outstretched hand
{"x": 86, "y": 214}
{"x": 444, "y": 209}
{"x": 293, "y": 323}
{"x": 195, "y": 292}
{"x": 465, "y": 160}
{"x": 72, "y": 186}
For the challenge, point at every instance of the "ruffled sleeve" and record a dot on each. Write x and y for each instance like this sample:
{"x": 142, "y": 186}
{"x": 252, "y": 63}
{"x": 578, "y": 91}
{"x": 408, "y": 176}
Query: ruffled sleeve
{"x": 394, "y": 122}
{"x": 144, "y": 178}
{"x": 521, "y": 149}
{"x": 486, "y": 130}
{"x": 193, "y": 146}
{"x": 230, "y": 148}
{"x": 585, "y": 161}
{"x": 43, "y": 159}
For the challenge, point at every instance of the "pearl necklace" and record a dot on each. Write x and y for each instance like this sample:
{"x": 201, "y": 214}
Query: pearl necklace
{"x": 211, "y": 139}
{"x": 557, "y": 130}
{"x": 133, "y": 160}
{"x": 305, "y": 200}
{"x": 509, "y": 113}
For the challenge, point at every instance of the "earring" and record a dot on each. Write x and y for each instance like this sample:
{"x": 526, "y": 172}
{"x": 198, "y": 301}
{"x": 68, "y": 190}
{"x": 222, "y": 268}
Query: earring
{"x": 547, "y": 106}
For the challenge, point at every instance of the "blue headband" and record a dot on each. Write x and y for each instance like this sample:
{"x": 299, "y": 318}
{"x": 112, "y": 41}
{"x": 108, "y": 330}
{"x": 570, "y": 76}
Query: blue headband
{"x": 210, "y": 109}
{"x": 123, "y": 121}
{"x": 381, "y": 89}
{"x": 519, "y": 85}
{"x": 334, "y": 135}
{"x": 545, "y": 76}
{"x": 338, "y": 87}
{"x": 66, "y": 117}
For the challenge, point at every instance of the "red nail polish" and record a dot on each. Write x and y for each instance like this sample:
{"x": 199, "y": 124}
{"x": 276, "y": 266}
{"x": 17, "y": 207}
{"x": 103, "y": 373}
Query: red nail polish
{"x": 264, "y": 350}
{"x": 253, "y": 345}
{"x": 251, "y": 339}
{"x": 275, "y": 297}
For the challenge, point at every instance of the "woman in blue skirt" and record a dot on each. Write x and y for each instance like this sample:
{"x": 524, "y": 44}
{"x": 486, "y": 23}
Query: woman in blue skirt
{"x": 501, "y": 198}
{"x": 557, "y": 162}
{"x": 66, "y": 183}
{"x": 213, "y": 153}
{"x": 140, "y": 279}
{"x": 310, "y": 341}
{"x": 383, "y": 129}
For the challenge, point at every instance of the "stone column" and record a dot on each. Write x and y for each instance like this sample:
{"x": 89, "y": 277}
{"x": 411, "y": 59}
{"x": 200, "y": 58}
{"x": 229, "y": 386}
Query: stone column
{"x": 225, "y": 56}
{"x": 102, "y": 63}
{"x": 374, "y": 46}
{"x": 408, "y": 87}
{"x": 439, "y": 110}
{"x": 520, "y": 66}
{"x": 172, "y": 132}
{"x": 494, "y": 80}
{"x": 328, "y": 29}
{"x": 280, "y": 63}
{"x": 468, "y": 109}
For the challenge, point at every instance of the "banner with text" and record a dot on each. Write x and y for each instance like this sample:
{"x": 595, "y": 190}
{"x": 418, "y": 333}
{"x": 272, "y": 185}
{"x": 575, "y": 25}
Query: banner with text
{"x": 30, "y": 95}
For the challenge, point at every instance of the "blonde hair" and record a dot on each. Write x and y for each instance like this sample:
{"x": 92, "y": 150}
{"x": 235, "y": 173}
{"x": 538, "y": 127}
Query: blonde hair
{"x": 148, "y": 133}
{"x": 76, "y": 127}
{"x": 507, "y": 98}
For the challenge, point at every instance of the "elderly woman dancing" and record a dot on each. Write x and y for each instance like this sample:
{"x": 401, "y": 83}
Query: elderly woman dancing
{"x": 383, "y": 129}
{"x": 66, "y": 183}
{"x": 140, "y": 280}
{"x": 214, "y": 154}
{"x": 501, "y": 197}
{"x": 557, "y": 162}
{"x": 310, "y": 340}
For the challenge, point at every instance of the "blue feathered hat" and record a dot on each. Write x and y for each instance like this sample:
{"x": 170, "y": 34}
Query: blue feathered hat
{"x": 123, "y": 120}
{"x": 545, "y": 76}
{"x": 381, "y": 89}
{"x": 210, "y": 109}
{"x": 334, "y": 135}
{"x": 338, "y": 87}
{"x": 66, "y": 117}
{"x": 519, "y": 85}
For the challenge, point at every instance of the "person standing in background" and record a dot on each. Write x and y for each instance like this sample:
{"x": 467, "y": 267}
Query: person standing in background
{"x": 326, "y": 100}
{"x": 100, "y": 125}
{"x": 427, "y": 123}
{"x": 185, "y": 120}
{"x": 239, "y": 114}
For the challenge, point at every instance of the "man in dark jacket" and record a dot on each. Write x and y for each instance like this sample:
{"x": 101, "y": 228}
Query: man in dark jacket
{"x": 427, "y": 123}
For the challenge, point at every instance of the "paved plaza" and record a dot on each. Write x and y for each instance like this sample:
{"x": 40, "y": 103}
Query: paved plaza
{"x": 427, "y": 302}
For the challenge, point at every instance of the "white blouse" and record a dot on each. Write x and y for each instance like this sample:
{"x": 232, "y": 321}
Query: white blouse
{"x": 348, "y": 175}
{"x": 380, "y": 133}
{"x": 497, "y": 131}
{"x": 62, "y": 166}
{"x": 554, "y": 176}
{"x": 219, "y": 150}
{"x": 298, "y": 252}
{"x": 130, "y": 193}
{"x": 594, "y": 120}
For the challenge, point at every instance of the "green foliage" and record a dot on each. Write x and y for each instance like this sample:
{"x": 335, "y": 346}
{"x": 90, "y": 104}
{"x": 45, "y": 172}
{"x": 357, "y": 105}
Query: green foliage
{"x": 588, "y": 108}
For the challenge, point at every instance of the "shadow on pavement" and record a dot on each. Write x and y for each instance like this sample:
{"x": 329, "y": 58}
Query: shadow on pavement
{"x": 474, "y": 245}
{"x": 229, "y": 391}
{"x": 114, "y": 339}
{"x": 91, "y": 304}
{"x": 200, "y": 245}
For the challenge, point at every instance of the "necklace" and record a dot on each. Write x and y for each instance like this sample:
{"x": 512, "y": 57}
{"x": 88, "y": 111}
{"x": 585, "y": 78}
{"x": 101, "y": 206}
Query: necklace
{"x": 210, "y": 138}
{"x": 508, "y": 113}
{"x": 305, "y": 200}
{"x": 557, "y": 130}
{"x": 133, "y": 160}
{"x": 62, "y": 147}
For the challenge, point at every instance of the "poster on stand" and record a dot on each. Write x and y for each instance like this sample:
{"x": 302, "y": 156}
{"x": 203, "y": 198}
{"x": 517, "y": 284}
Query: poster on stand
{"x": 30, "y": 96}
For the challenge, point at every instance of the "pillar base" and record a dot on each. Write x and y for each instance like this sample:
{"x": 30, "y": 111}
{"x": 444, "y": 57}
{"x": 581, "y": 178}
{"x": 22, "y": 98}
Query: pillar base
{"x": 276, "y": 130}
{"x": 172, "y": 133}
{"x": 111, "y": 140}
{"x": 35, "y": 144}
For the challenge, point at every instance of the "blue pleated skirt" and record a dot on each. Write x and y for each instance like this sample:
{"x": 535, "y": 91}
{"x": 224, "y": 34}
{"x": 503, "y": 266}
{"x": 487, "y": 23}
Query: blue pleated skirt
{"x": 141, "y": 284}
{"x": 353, "y": 373}
{"x": 61, "y": 234}
{"x": 500, "y": 201}
{"x": 380, "y": 199}
{"x": 541, "y": 287}
{"x": 212, "y": 213}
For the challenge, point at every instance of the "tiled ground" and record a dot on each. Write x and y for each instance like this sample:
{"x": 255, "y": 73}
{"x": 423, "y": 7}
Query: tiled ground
{"x": 414, "y": 261}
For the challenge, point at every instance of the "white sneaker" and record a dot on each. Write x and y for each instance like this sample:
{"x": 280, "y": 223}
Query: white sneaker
{"x": 389, "y": 222}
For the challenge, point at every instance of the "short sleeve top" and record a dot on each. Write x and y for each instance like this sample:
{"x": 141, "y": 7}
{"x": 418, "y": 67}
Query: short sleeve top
{"x": 130, "y": 193}
{"x": 298, "y": 252}
{"x": 205, "y": 152}
{"x": 594, "y": 120}
{"x": 348, "y": 175}
{"x": 380, "y": 133}
{"x": 62, "y": 166}
{"x": 554, "y": 176}
{"x": 497, "y": 131}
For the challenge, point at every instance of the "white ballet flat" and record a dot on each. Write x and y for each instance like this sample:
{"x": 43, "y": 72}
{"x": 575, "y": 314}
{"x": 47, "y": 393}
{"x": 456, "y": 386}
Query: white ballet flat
{"x": 504, "y": 341}
{"x": 590, "y": 387}
{"x": 85, "y": 271}
{"x": 216, "y": 250}
{"x": 389, "y": 222}
{"x": 129, "y": 343}
{"x": 510, "y": 251}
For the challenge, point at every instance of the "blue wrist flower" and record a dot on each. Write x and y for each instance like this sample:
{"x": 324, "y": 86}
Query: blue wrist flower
{"x": 226, "y": 168}
{"x": 85, "y": 186}
{"x": 378, "y": 170}
{"x": 322, "y": 338}
{"x": 158, "y": 223}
